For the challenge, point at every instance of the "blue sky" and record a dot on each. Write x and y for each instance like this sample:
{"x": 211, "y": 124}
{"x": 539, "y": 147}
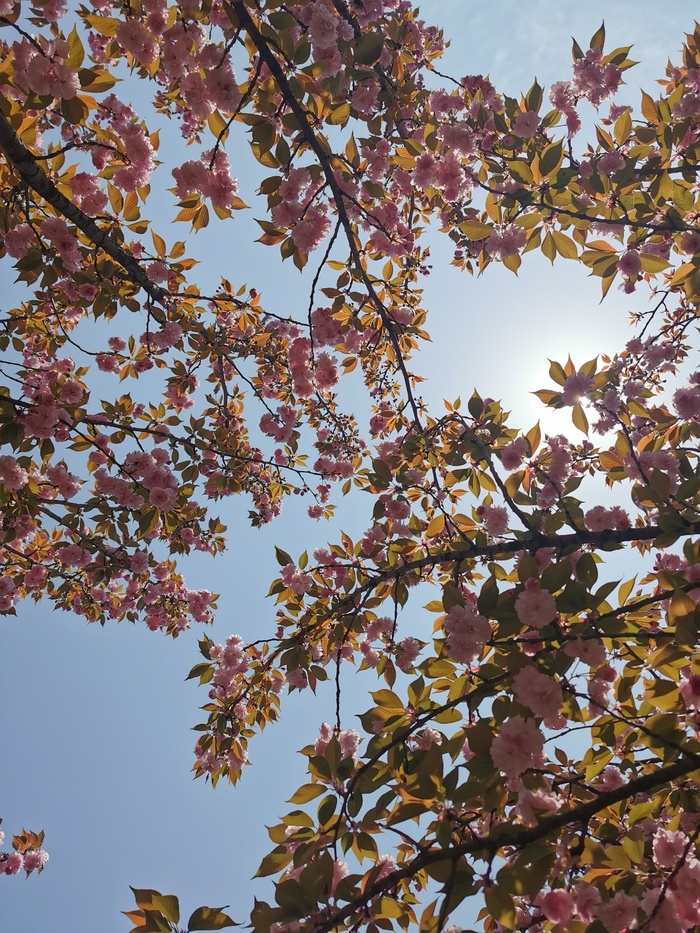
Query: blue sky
{"x": 95, "y": 722}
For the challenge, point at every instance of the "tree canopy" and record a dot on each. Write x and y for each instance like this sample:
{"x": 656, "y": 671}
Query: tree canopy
{"x": 530, "y": 758}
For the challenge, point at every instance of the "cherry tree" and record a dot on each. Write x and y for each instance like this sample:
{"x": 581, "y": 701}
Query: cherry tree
{"x": 532, "y": 756}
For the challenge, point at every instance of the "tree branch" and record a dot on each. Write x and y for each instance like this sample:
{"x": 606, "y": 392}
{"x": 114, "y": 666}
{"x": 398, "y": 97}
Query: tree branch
{"x": 532, "y": 542}
{"x": 513, "y": 837}
{"x": 322, "y": 153}
{"x": 25, "y": 164}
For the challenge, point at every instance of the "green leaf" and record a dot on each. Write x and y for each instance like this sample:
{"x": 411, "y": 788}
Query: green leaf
{"x": 501, "y": 907}
{"x": 598, "y": 38}
{"x": 475, "y": 230}
{"x": 307, "y": 792}
{"x": 369, "y": 48}
{"x": 579, "y": 419}
{"x": 168, "y": 905}
{"x": 556, "y": 373}
{"x": 551, "y": 158}
{"x": 209, "y": 918}
{"x": 144, "y": 897}
{"x": 649, "y": 111}
{"x": 566, "y": 247}
{"x": 282, "y": 557}
{"x": 76, "y": 52}
{"x": 291, "y": 897}
{"x": 340, "y": 115}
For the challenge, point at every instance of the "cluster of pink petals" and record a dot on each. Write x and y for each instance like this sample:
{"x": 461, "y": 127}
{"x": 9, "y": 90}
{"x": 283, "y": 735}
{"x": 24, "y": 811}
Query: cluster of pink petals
{"x": 610, "y": 164}
{"x": 139, "y": 153}
{"x": 281, "y": 424}
{"x": 325, "y": 28}
{"x": 535, "y": 607}
{"x": 74, "y": 555}
{"x": 64, "y": 241}
{"x": 45, "y": 72}
{"x": 530, "y": 802}
{"x": 557, "y": 472}
{"x": 599, "y": 518}
{"x": 231, "y": 662}
{"x": 513, "y": 453}
{"x": 525, "y": 124}
{"x": 467, "y": 632}
{"x": 137, "y": 40}
{"x": 690, "y": 690}
{"x": 599, "y": 688}
{"x": 557, "y": 906}
{"x": 669, "y": 847}
{"x": 595, "y": 80}
{"x": 325, "y": 329}
{"x": 508, "y": 241}
{"x": 153, "y": 475}
{"x": 630, "y": 263}
{"x": 563, "y": 98}
{"x": 618, "y": 913}
{"x": 640, "y": 466}
{"x": 517, "y": 746}
{"x": 348, "y": 739}
{"x": 210, "y": 177}
{"x": 406, "y": 653}
{"x": 9, "y": 594}
{"x": 312, "y": 229}
{"x": 323, "y": 375}
{"x": 42, "y": 420}
{"x": 539, "y": 692}
{"x": 12, "y": 474}
{"x": 11, "y": 863}
{"x": 589, "y": 650}
{"x": 575, "y": 388}
{"x": 334, "y": 470}
{"x": 686, "y": 401}
{"x": 66, "y": 484}
{"x": 297, "y": 581}
{"x": 676, "y": 907}
{"x": 19, "y": 240}
{"x": 495, "y": 518}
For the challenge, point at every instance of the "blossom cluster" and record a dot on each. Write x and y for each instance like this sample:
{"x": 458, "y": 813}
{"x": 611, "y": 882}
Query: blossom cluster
{"x": 28, "y": 859}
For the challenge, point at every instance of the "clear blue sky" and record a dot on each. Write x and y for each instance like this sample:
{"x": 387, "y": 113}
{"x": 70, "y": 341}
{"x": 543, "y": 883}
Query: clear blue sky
{"x": 95, "y": 722}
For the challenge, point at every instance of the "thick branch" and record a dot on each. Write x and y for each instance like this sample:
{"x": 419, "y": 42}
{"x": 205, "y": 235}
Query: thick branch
{"x": 532, "y": 542}
{"x": 515, "y": 837}
{"x": 25, "y": 164}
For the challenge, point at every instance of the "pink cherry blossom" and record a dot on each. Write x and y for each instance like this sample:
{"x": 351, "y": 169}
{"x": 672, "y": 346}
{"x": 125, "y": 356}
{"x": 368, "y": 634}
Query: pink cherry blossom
{"x": 539, "y": 692}
{"x": 575, "y": 388}
{"x": 163, "y": 498}
{"x": 535, "y": 607}
{"x": 618, "y": 913}
{"x": 686, "y": 401}
{"x": 611, "y": 163}
{"x": 630, "y": 263}
{"x": 495, "y": 519}
{"x": 12, "y": 864}
{"x": 406, "y": 653}
{"x": 690, "y": 691}
{"x": 557, "y": 906}
{"x": 669, "y": 847}
{"x": 467, "y": 633}
{"x": 35, "y": 859}
{"x": 509, "y": 241}
{"x": 12, "y": 474}
{"x": 517, "y": 746}
{"x": 513, "y": 453}
{"x": 525, "y": 124}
